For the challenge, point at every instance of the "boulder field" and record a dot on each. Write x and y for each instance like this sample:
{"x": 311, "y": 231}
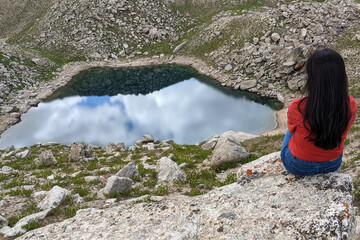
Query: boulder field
{"x": 265, "y": 203}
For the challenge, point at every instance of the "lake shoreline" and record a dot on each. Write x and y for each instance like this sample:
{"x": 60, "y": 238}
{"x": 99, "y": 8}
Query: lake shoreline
{"x": 28, "y": 98}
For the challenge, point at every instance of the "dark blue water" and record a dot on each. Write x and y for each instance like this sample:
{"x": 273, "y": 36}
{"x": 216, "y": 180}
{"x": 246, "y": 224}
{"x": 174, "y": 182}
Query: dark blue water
{"x": 121, "y": 105}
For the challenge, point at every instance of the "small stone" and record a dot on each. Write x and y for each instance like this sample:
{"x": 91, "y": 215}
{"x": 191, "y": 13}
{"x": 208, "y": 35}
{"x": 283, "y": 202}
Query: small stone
{"x": 303, "y": 32}
{"x": 77, "y": 199}
{"x": 247, "y": 84}
{"x": 6, "y": 169}
{"x": 357, "y": 37}
{"x": 92, "y": 179}
{"x": 275, "y": 37}
{"x": 228, "y": 67}
{"x": 111, "y": 201}
{"x": 181, "y": 45}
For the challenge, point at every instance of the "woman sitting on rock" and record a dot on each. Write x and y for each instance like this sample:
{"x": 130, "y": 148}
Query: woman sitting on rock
{"x": 318, "y": 124}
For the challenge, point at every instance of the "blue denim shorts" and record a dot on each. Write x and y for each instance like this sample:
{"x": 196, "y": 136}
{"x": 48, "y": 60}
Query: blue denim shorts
{"x": 298, "y": 166}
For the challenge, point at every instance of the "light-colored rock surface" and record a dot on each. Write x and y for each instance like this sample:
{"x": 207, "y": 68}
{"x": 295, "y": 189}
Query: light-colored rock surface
{"x": 128, "y": 171}
{"x": 53, "y": 198}
{"x": 24, "y": 154}
{"x": 247, "y": 84}
{"x": 92, "y": 178}
{"x": 279, "y": 206}
{"x": 267, "y": 165}
{"x": 79, "y": 151}
{"x": 210, "y": 143}
{"x": 228, "y": 149}
{"x": 18, "y": 228}
{"x": 3, "y": 221}
{"x": 110, "y": 147}
{"x": 168, "y": 171}
{"x": 117, "y": 184}
{"x": 6, "y": 169}
{"x": 47, "y": 158}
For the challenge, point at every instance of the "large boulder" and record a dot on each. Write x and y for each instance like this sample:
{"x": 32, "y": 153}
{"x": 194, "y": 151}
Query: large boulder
{"x": 275, "y": 206}
{"x": 128, "y": 171}
{"x": 80, "y": 150}
{"x": 117, "y": 184}
{"x": 53, "y": 198}
{"x": 47, "y": 158}
{"x": 168, "y": 171}
{"x": 228, "y": 149}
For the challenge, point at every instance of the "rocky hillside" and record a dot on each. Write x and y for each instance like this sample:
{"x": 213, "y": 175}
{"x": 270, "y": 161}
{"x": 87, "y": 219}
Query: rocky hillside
{"x": 255, "y": 46}
{"x": 151, "y": 183}
{"x": 104, "y": 28}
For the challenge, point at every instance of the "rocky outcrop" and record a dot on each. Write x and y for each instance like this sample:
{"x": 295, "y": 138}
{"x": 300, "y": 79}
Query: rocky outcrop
{"x": 106, "y": 28}
{"x": 229, "y": 149}
{"x": 275, "y": 58}
{"x": 80, "y": 151}
{"x": 261, "y": 206}
{"x": 168, "y": 171}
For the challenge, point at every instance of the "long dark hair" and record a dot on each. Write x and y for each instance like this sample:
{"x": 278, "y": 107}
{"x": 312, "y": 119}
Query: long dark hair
{"x": 327, "y": 106}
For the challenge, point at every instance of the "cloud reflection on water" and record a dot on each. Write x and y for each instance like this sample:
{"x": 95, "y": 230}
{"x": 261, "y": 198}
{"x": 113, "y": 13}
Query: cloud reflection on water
{"x": 188, "y": 112}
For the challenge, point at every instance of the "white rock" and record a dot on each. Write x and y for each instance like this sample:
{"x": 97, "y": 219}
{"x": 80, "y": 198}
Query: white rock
{"x": 275, "y": 37}
{"x": 110, "y": 148}
{"x": 228, "y": 149}
{"x": 228, "y": 67}
{"x": 357, "y": 37}
{"x": 168, "y": 171}
{"x": 7, "y": 169}
{"x": 53, "y": 198}
{"x": 181, "y": 45}
{"x": 111, "y": 201}
{"x": 303, "y": 32}
{"x": 247, "y": 84}
{"x": 92, "y": 179}
{"x": 128, "y": 171}
{"x": 18, "y": 228}
{"x": 3, "y": 221}
{"x": 39, "y": 194}
{"x": 117, "y": 184}
{"x": 23, "y": 154}
{"x": 47, "y": 158}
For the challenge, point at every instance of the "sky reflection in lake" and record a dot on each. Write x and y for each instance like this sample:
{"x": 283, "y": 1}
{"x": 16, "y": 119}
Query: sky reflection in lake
{"x": 187, "y": 112}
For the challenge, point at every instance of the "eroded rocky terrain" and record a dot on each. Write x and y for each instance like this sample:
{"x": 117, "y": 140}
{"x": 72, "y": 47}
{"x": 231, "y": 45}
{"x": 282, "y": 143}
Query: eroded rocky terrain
{"x": 257, "y": 47}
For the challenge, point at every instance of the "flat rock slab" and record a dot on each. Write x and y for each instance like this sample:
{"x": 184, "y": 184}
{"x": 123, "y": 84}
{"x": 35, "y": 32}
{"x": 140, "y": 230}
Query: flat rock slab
{"x": 269, "y": 207}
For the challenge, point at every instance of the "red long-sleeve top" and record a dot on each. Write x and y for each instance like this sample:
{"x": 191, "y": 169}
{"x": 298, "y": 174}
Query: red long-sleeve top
{"x": 304, "y": 149}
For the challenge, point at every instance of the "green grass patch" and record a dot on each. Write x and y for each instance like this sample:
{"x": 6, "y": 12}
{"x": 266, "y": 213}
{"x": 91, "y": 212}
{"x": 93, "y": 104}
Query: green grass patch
{"x": 162, "y": 190}
{"x": 21, "y": 192}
